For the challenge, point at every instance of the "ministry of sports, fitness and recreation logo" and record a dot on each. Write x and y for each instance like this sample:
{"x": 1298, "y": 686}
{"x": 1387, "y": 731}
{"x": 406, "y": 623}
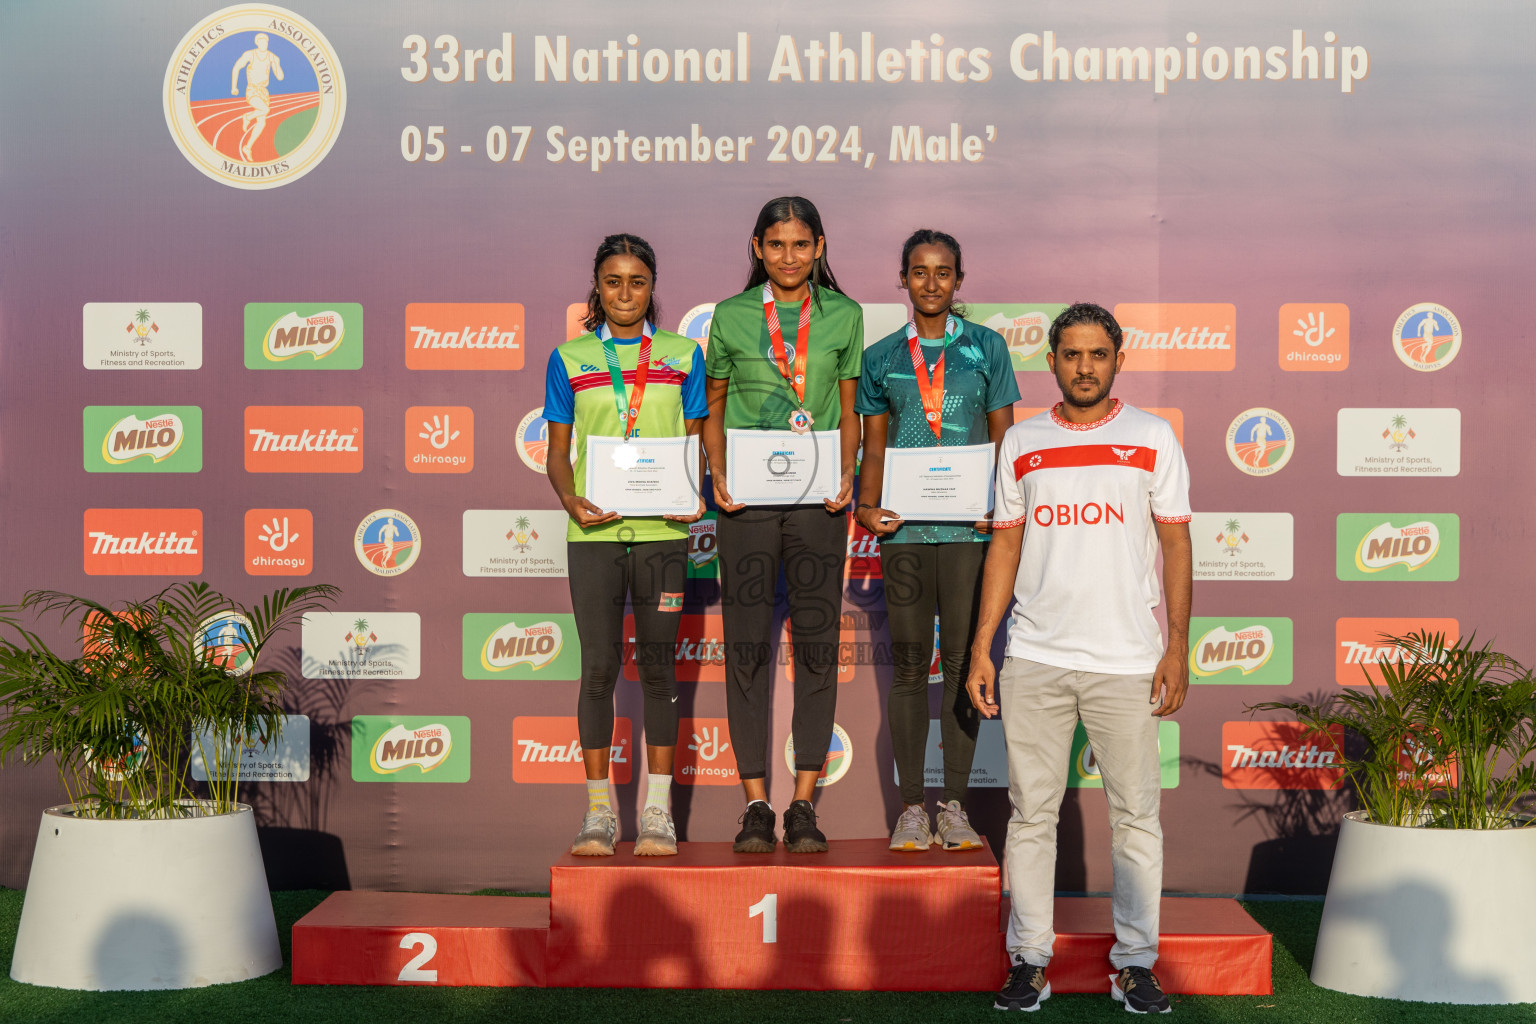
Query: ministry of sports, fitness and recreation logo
{"x": 254, "y": 96}
{"x": 1427, "y": 336}
{"x": 387, "y": 542}
{"x": 361, "y": 645}
{"x": 1260, "y": 441}
{"x": 839, "y": 756}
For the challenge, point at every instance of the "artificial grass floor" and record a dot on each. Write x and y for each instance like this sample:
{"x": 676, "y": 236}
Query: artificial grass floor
{"x": 273, "y": 999}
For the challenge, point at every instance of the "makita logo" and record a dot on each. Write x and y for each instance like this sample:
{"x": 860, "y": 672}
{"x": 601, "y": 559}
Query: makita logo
{"x": 1182, "y": 338}
{"x": 304, "y": 441}
{"x": 487, "y": 336}
{"x": 319, "y": 334}
{"x": 1220, "y": 649}
{"x": 1308, "y": 756}
{"x": 130, "y": 438}
{"x": 1387, "y": 545}
{"x": 534, "y": 752}
{"x": 1355, "y": 653}
{"x": 464, "y": 335}
{"x": 1280, "y": 755}
{"x": 166, "y": 542}
{"x": 535, "y": 646}
{"x": 426, "y": 748}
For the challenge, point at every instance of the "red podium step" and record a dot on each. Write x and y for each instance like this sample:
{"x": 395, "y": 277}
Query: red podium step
{"x": 858, "y": 917}
{"x": 412, "y": 938}
{"x": 1206, "y": 947}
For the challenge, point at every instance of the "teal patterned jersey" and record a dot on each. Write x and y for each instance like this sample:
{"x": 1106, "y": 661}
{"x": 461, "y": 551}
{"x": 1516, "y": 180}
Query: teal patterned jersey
{"x": 978, "y": 378}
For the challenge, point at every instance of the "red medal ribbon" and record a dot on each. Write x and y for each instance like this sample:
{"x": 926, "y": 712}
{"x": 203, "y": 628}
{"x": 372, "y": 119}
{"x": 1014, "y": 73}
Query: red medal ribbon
{"x": 802, "y": 341}
{"x": 931, "y": 390}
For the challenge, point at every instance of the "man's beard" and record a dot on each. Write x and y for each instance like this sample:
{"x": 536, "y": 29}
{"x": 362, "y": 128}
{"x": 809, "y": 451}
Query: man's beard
{"x": 1070, "y": 395}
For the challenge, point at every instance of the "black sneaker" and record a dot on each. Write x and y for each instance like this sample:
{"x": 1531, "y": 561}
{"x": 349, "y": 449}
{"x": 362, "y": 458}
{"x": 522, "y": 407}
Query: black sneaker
{"x": 1025, "y": 989}
{"x": 756, "y": 835}
{"x": 1138, "y": 989}
{"x": 800, "y": 832}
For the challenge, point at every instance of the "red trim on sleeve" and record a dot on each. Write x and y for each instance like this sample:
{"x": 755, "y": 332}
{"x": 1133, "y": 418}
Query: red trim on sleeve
{"x": 1010, "y": 524}
{"x": 1172, "y": 520}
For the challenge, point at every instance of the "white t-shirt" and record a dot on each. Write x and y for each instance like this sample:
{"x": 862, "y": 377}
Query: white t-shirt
{"x": 1087, "y": 496}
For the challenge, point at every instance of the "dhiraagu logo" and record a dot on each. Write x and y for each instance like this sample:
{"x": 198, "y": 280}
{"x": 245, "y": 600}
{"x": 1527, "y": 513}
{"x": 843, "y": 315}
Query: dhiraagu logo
{"x": 410, "y": 748}
{"x": 1025, "y": 326}
{"x": 1085, "y": 769}
{"x": 303, "y": 336}
{"x": 1383, "y": 546}
{"x": 147, "y": 439}
{"x": 514, "y": 646}
{"x": 1255, "y": 651}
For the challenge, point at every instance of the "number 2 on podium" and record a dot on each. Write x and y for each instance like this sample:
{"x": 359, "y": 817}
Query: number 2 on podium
{"x": 768, "y": 907}
{"x": 413, "y": 970}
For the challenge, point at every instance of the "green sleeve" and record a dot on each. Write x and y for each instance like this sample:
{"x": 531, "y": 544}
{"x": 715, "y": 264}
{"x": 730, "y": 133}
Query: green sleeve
{"x": 853, "y": 354}
{"x": 1002, "y": 385}
{"x": 717, "y": 357}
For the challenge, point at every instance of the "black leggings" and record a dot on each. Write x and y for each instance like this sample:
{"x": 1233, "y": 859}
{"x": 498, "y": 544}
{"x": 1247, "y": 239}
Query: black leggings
{"x": 920, "y": 578}
{"x": 812, "y": 545}
{"x": 651, "y": 574}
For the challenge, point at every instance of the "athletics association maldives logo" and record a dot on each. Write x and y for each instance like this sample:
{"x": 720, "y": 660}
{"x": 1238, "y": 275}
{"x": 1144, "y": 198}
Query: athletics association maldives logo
{"x": 254, "y": 96}
{"x": 533, "y": 441}
{"x": 225, "y": 640}
{"x": 1260, "y": 441}
{"x": 839, "y": 757}
{"x": 1426, "y": 337}
{"x": 387, "y": 542}
{"x": 695, "y": 324}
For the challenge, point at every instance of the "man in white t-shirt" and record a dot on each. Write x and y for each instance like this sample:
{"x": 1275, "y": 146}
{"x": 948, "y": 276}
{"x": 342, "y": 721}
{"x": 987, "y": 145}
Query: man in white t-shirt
{"x": 1087, "y": 495}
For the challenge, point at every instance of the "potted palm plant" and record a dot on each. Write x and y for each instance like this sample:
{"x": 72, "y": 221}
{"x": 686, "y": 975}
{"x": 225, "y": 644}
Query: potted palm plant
{"x": 146, "y": 878}
{"x": 1432, "y": 895}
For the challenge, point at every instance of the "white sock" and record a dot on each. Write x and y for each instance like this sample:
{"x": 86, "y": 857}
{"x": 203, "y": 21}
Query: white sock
{"x": 765, "y": 803}
{"x": 597, "y": 795}
{"x": 658, "y": 790}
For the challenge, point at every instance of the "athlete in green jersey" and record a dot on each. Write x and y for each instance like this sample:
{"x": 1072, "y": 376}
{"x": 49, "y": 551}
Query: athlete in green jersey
{"x": 625, "y": 379}
{"x": 959, "y": 372}
{"x": 783, "y": 355}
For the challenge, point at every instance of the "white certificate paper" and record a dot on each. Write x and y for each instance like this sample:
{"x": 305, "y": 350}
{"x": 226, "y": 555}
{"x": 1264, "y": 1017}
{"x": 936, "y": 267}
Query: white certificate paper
{"x": 781, "y": 467}
{"x": 939, "y": 483}
{"x": 654, "y": 476}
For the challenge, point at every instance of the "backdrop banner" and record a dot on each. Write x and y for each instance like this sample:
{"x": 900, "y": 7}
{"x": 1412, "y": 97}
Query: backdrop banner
{"x": 278, "y": 287}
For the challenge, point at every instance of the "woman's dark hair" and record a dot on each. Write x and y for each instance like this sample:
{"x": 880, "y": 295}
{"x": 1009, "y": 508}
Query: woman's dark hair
{"x": 620, "y": 245}
{"x": 1085, "y": 313}
{"x": 928, "y": 236}
{"x": 781, "y": 211}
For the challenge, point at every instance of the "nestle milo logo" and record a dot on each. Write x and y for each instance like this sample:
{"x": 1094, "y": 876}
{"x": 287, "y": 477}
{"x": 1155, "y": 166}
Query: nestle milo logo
{"x": 1256, "y": 651}
{"x": 520, "y": 646}
{"x": 150, "y": 439}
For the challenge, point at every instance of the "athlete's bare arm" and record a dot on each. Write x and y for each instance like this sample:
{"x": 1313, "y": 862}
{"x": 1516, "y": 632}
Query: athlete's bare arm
{"x": 1171, "y": 681}
{"x": 997, "y": 579}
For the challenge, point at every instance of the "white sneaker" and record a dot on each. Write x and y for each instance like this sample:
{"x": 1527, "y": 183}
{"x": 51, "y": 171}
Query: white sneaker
{"x": 955, "y": 832}
{"x": 658, "y": 836}
{"x": 912, "y": 832}
{"x": 597, "y": 831}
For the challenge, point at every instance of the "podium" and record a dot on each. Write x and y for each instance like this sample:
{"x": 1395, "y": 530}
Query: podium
{"x": 856, "y": 918}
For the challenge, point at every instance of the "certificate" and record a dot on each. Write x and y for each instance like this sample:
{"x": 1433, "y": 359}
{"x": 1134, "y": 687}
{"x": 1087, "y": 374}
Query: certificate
{"x": 782, "y": 467}
{"x": 939, "y": 483}
{"x": 654, "y": 476}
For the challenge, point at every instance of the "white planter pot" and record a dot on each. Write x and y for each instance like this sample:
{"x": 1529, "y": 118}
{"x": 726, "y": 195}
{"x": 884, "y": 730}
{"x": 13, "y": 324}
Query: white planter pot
{"x": 175, "y": 903}
{"x": 1433, "y": 915}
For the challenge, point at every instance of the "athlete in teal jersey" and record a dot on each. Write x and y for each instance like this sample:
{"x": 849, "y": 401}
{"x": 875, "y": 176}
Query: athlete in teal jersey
{"x": 961, "y": 380}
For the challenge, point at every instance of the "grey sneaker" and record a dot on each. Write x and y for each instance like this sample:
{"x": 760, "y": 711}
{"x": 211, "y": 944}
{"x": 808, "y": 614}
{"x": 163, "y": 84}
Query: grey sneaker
{"x": 912, "y": 832}
{"x": 597, "y": 831}
{"x": 955, "y": 832}
{"x": 658, "y": 836}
